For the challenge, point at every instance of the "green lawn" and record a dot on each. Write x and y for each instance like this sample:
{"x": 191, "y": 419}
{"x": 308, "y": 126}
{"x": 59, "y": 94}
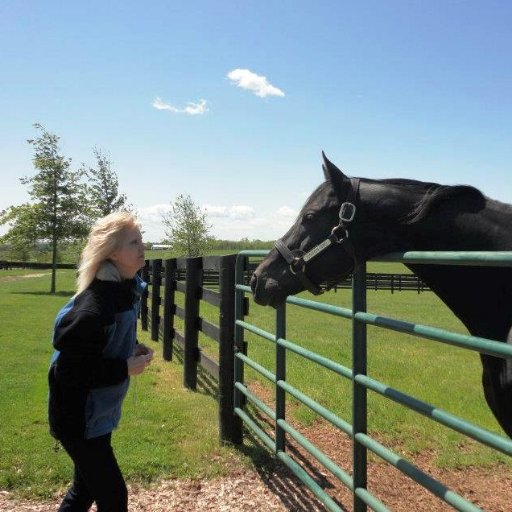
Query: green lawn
{"x": 167, "y": 431}
{"x": 444, "y": 376}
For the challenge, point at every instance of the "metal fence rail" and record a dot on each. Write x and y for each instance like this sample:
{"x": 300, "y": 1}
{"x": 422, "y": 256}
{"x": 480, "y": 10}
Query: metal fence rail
{"x": 361, "y": 383}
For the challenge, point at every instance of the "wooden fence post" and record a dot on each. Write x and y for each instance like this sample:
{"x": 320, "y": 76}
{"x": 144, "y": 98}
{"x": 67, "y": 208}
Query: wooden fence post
{"x": 230, "y": 425}
{"x": 155, "y": 297}
{"x": 191, "y": 352}
{"x": 169, "y": 307}
{"x": 144, "y": 299}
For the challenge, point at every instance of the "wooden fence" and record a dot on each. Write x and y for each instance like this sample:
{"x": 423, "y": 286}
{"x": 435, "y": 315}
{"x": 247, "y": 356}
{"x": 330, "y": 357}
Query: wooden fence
{"x": 8, "y": 265}
{"x": 381, "y": 281}
{"x": 209, "y": 279}
{"x": 212, "y": 279}
{"x": 391, "y": 282}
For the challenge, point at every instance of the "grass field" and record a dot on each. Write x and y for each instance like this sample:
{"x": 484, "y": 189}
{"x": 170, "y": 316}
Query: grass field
{"x": 167, "y": 431}
{"x": 444, "y": 376}
{"x": 441, "y": 375}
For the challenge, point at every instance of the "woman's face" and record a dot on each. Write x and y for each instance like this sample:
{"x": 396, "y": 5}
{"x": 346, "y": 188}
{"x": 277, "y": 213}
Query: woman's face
{"x": 129, "y": 256}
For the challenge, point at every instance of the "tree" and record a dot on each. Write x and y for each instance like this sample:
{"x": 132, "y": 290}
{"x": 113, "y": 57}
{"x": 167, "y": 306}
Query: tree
{"x": 187, "y": 228}
{"x": 57, "y": 212}
{"x": 103, "y": 187}
{"x": 20, "y": 237}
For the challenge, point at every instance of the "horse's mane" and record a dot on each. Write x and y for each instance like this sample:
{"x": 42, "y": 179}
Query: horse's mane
{"x": 434, "y": 194}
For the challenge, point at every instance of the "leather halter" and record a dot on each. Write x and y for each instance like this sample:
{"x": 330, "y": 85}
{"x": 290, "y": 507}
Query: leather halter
{"x": 339, "y": 236}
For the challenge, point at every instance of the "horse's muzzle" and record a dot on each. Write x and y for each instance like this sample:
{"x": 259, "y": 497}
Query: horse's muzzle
{"x": 254, "y": 283}
{"x": 266, "y": 291}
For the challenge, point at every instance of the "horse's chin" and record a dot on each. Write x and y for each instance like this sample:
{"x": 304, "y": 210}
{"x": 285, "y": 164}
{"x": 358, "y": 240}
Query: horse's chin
{"x": 271, "y": 301}
{"x": 269, "y": 293}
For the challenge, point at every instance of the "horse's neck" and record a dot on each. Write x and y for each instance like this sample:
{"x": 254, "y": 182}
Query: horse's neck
{"x": 486, "y": 230}
{"x": 480, "y": 296}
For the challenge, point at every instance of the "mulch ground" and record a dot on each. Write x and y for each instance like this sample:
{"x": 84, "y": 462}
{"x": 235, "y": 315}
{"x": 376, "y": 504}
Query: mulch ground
{"x": 273, "y": 488}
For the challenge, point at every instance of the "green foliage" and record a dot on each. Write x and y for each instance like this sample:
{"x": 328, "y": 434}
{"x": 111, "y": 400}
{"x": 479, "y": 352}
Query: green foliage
{"x": 241, "y": 245}
{"x": 56, "y": 192}
{"x": 103, "y": 187}
{"x": 62, "y": 206}
{"x": 20, "y": 239}
{"x": 187, "y": 228}
{"x": 57, "y": 212}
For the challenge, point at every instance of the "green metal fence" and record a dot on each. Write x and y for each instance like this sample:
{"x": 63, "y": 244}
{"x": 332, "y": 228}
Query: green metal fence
{"x": 361, "y": 383}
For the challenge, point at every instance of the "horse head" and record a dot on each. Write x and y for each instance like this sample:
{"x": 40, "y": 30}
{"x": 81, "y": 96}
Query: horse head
{"x": 347, "y": 221}
{"x": 332, "y": 234}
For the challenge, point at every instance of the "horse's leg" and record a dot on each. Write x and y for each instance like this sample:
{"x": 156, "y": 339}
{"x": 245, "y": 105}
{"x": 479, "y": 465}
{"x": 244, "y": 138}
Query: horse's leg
{"x": 497, "y": 384}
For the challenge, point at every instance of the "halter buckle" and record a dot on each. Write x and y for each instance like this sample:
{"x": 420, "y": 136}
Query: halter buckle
{"x": 294, "y": 266}
{"x": 347, "y": 212}
{"x": 339, "y": 239}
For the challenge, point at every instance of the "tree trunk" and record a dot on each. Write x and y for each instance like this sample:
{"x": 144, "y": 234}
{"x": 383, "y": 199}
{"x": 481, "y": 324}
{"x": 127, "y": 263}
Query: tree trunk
{"x": 54, "y": 236}
{"x": 54, "y": 263}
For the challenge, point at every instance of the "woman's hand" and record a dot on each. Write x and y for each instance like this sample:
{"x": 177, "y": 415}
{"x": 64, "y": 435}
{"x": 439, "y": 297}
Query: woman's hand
{"x": 143, "y": 350}
{"x": 137, "y": 364}
{"x": 141, "y": 358}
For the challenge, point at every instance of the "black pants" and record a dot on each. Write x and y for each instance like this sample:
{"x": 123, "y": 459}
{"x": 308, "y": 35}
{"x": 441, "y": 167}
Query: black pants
{"x": 97, "y": 477}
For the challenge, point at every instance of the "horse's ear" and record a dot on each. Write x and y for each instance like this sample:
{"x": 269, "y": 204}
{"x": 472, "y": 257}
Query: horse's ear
{"x": 332, "y": 173}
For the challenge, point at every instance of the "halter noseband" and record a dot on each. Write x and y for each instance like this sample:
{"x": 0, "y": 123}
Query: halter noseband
{"x": 339, "y": 235}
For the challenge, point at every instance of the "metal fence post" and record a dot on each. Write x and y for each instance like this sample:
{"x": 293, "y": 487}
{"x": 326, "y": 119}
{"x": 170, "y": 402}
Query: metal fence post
{"x": 240, "y": 345}
{"x": 280, "y": 376}
{"x": 156, "y": 266}
{"x": 144, "y": 298}
{"x": 191, "y": 352}
{"x": 359, "y": 399}
{"x": 169, "y": 308}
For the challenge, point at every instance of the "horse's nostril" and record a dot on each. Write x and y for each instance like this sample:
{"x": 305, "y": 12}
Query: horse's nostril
{"x": 254, "y": 280}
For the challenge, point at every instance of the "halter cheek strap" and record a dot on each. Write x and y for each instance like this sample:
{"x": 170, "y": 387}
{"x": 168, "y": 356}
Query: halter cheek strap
{"x": 297, "y": 267}
{"x": 339, "y": 236}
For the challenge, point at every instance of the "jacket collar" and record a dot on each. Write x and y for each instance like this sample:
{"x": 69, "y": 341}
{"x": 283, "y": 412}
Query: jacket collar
{"x": 108, "y": 272}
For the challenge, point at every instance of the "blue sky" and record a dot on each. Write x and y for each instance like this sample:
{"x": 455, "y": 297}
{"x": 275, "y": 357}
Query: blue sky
{"x": 232, "y": 102}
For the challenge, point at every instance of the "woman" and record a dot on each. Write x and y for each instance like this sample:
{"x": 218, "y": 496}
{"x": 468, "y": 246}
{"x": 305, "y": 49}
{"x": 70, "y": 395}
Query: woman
{"x": 96, "y": 353}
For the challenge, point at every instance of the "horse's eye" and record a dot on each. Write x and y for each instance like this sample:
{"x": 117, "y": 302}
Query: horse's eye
{"x": 309, "y": 216}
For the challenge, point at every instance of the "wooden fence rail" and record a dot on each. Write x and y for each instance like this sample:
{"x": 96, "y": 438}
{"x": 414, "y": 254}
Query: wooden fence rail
{"x": 189, "y": 276}
{"x": 212, "y": 279}
{"x": 8, "y": 265}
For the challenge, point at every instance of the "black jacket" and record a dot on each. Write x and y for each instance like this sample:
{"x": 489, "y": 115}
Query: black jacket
{"x": 94, "y": 335}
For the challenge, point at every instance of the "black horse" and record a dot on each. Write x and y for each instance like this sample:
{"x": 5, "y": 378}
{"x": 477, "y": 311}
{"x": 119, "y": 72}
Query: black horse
{"x": 347, "y": 221}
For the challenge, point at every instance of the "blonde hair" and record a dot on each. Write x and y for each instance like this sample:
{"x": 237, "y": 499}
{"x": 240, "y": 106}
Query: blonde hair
{"x": 104, "y": 239}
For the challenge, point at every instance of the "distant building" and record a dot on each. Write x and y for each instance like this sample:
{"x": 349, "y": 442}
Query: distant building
{"x": 160, "y": 247}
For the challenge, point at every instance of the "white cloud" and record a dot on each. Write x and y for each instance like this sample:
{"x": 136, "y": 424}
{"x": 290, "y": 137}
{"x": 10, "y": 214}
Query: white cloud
{"x": 257, "y": 84}
{"x": 241, "y": 212}
{"x": 216, "y": 211}
{"x": 150, "y": 218}
{"x": 154, "y": 212}
{"x": 233, "y": 212}
{"x": 242, "y": 221}
{"x": 286, "y": 212}
{"x": 192, "y": 109}
{"x": 228, "y": 222}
